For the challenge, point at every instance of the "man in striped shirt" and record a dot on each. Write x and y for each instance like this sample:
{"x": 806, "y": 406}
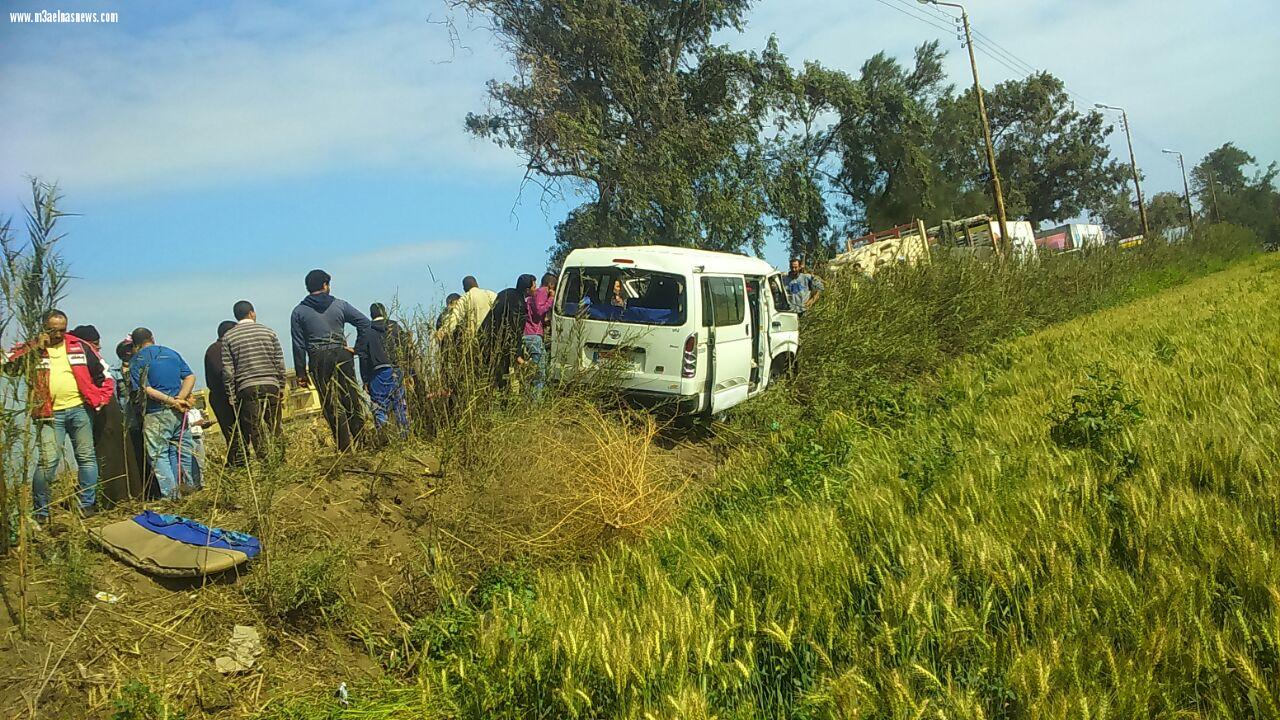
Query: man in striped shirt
{"x": 253, "y": 370}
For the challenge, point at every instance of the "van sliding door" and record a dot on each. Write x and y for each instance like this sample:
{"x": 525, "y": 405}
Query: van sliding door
{"x": 728, "y": 324}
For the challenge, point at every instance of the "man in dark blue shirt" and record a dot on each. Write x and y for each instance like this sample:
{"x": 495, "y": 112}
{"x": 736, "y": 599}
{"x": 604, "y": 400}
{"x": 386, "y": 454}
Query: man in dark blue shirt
{"x": 161, "y": 377}
{"x": 317, "y": 328}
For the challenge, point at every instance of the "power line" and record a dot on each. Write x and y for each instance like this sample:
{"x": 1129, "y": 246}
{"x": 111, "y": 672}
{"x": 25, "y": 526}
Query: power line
{"x": 910, "y": 14}
{"x": 982, "y": 42}
{"x": 1006, "y": 51}
{"x": 932, "y": 10}
{"x": 982, "y": 48}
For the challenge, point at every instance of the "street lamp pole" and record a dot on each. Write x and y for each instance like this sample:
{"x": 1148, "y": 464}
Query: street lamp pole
{"x": 1133, "y": 164}
{"x": 986, "y": 127}
{"x": 1186, "y": 191}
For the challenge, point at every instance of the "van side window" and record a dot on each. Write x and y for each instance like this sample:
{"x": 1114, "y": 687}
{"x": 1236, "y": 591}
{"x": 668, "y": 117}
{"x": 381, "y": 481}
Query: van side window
{"x": 780, "y": 302}
{"x": 724, "y": 301}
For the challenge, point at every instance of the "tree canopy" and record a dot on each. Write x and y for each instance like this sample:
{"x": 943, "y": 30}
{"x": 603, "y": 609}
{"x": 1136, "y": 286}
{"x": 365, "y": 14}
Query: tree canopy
{"x": 668, "y": 137}
{"x": 1226, "y": 191}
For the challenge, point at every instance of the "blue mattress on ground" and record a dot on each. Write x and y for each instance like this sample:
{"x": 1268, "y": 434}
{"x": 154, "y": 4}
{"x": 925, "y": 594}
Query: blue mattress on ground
{"x": 189, "y": 531}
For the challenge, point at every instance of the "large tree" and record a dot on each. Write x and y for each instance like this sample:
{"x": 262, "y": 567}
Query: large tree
{"x": 632, "y": 105}
{"x": 887, "y": 171}
{"x": 1053, "y": 161}
{"x": 667, "y": 137}
{"x": 1166, "y": 211}
{"x": 803, "y": 162}
{"x": 1228, "y": 192}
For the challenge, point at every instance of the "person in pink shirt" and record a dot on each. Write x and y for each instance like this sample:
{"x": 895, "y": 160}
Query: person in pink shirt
{"x": 537, "y": 305}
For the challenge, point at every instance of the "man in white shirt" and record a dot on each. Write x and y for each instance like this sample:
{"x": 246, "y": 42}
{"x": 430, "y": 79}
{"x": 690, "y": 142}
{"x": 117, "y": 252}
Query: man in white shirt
{"x": 468, "y": 312}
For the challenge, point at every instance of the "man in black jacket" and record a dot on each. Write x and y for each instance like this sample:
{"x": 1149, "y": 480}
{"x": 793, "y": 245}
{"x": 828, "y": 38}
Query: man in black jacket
{"x": 317, "y": 329}
{"x": 384, "y": 352}
{"x": 500, "y": 333}
{"x": 218, "y": 399}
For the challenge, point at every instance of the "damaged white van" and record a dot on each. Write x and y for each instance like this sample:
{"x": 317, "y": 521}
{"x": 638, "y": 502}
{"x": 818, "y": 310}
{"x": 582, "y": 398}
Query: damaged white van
{"x": 689, "y": 331}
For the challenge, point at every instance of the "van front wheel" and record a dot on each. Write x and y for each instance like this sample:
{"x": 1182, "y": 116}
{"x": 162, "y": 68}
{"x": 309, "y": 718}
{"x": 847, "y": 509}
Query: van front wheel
{"x": 783, "y": 366}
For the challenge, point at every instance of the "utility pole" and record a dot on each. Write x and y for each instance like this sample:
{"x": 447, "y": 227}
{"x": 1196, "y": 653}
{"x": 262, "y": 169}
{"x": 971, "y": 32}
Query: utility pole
{"x": 1213, "y": 193}
{"x": 1186, "y": 191}
{"x": 986, "y": 127}
{"x": 1133, "y": 164}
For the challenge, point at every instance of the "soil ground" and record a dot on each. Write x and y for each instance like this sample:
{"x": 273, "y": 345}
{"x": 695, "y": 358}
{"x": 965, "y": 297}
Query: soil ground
{"x": 385, "y": 516}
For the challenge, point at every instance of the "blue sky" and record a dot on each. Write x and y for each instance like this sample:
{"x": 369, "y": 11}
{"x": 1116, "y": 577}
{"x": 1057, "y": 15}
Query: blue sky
{"x": 215, "y": 151}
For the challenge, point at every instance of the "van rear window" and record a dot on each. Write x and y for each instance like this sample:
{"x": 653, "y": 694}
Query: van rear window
{"x": 626, "y": 295}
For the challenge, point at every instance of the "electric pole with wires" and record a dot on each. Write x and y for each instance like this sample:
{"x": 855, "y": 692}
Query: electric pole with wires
{"x": 1133, "y": 164}
{"x": 986, "y": 128}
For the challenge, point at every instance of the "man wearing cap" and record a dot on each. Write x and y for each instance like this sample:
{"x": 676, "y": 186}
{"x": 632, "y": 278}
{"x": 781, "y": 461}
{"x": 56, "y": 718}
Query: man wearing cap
{"x": 70, "y": 383}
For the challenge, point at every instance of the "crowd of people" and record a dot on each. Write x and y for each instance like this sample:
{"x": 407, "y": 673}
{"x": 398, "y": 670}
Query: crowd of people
{"x": 135, "y": 430}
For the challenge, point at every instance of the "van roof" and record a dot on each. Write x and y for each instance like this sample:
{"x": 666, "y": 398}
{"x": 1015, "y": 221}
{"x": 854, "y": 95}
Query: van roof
{"x": 670, "y": 258}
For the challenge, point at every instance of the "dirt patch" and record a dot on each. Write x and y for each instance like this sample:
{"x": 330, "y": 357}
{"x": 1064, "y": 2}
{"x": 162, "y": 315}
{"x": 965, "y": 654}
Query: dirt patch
{"x": 351, "y": 544}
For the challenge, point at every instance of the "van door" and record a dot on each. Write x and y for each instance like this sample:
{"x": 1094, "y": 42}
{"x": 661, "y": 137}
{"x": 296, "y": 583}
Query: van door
{"x": 728, "y": 324}
{"x": 784, "y": 325}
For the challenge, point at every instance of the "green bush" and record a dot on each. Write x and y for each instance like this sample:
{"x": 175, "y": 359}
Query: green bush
{"x": 68, "y": 563}
{"x": 137, "y": 701}
{"x": 300, "y": 588}
{"x": 1096, "y": 413}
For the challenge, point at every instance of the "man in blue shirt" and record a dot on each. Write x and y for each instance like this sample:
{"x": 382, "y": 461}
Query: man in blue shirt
{"x": 802, "y": 288}
{"x": 161, "y": 377}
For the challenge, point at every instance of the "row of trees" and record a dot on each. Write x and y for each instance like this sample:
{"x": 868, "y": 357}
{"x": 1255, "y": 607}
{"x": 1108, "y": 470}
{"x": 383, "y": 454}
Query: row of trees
{"x": 670, "y": 137}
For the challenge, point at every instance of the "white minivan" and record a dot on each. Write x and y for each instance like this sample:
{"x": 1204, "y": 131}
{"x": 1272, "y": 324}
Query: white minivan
{"x": 689, "y": 331}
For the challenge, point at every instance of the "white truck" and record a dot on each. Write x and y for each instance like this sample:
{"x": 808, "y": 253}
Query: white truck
{"x": 689, "y": 331}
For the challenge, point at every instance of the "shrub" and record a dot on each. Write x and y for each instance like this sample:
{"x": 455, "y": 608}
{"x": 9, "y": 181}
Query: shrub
{"x": 515, "y": 580}
{"x": 69, "y": 565}
{"x": 1097, "y": 412}
{"x": 300, "y": 588}
{"x": 137, "y": 701}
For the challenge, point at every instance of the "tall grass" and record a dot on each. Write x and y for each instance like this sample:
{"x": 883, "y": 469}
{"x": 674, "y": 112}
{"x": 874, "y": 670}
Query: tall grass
{"x": 866, "y": 335}
{"x": 947, "y": 557}
{"x": 33, "y": 278}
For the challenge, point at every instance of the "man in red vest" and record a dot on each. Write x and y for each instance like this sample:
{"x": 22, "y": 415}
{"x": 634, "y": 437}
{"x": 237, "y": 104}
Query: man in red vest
{"x": 69, "y": 383}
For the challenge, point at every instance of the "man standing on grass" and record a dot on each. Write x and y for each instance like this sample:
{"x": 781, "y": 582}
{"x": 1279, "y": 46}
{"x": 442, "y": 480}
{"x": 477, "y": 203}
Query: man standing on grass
{"x": 119, "y": 475}
{"x": 803, "y": 289}
{"x": 383, "y": 353}
{"x": 537, "y": 303}
{"x": 219, "y": 401}
{"x": 466, "y": 314}
{"x": 316, "y": 327}
{"x": 70, "y": 383}
{"x": 253, "y": 373}
{"x": 161, "y": 377}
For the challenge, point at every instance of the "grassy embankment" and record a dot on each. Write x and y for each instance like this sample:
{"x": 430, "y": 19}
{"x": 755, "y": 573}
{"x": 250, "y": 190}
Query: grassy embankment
{"x": 1078, "y": 522}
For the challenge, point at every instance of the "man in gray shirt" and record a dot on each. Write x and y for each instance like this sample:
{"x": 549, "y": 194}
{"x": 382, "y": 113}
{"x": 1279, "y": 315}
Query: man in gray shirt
{"x": 316, "y": 327}
{"x": 253, "y": 371}
{"x": 803, "y": 289}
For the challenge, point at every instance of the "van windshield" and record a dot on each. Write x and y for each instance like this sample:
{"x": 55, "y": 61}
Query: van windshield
{"x": 627, "y": 295}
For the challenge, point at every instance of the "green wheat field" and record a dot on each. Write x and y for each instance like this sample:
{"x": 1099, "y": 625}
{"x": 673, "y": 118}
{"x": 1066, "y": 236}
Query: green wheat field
{"x": 1081, "y": 522}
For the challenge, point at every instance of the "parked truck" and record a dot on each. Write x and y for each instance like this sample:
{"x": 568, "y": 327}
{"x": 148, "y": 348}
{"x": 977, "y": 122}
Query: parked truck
{"x": 1072, "y": 236}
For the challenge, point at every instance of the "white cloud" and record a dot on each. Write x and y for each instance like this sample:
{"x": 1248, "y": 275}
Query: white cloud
{"x": 242, "y": 92}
